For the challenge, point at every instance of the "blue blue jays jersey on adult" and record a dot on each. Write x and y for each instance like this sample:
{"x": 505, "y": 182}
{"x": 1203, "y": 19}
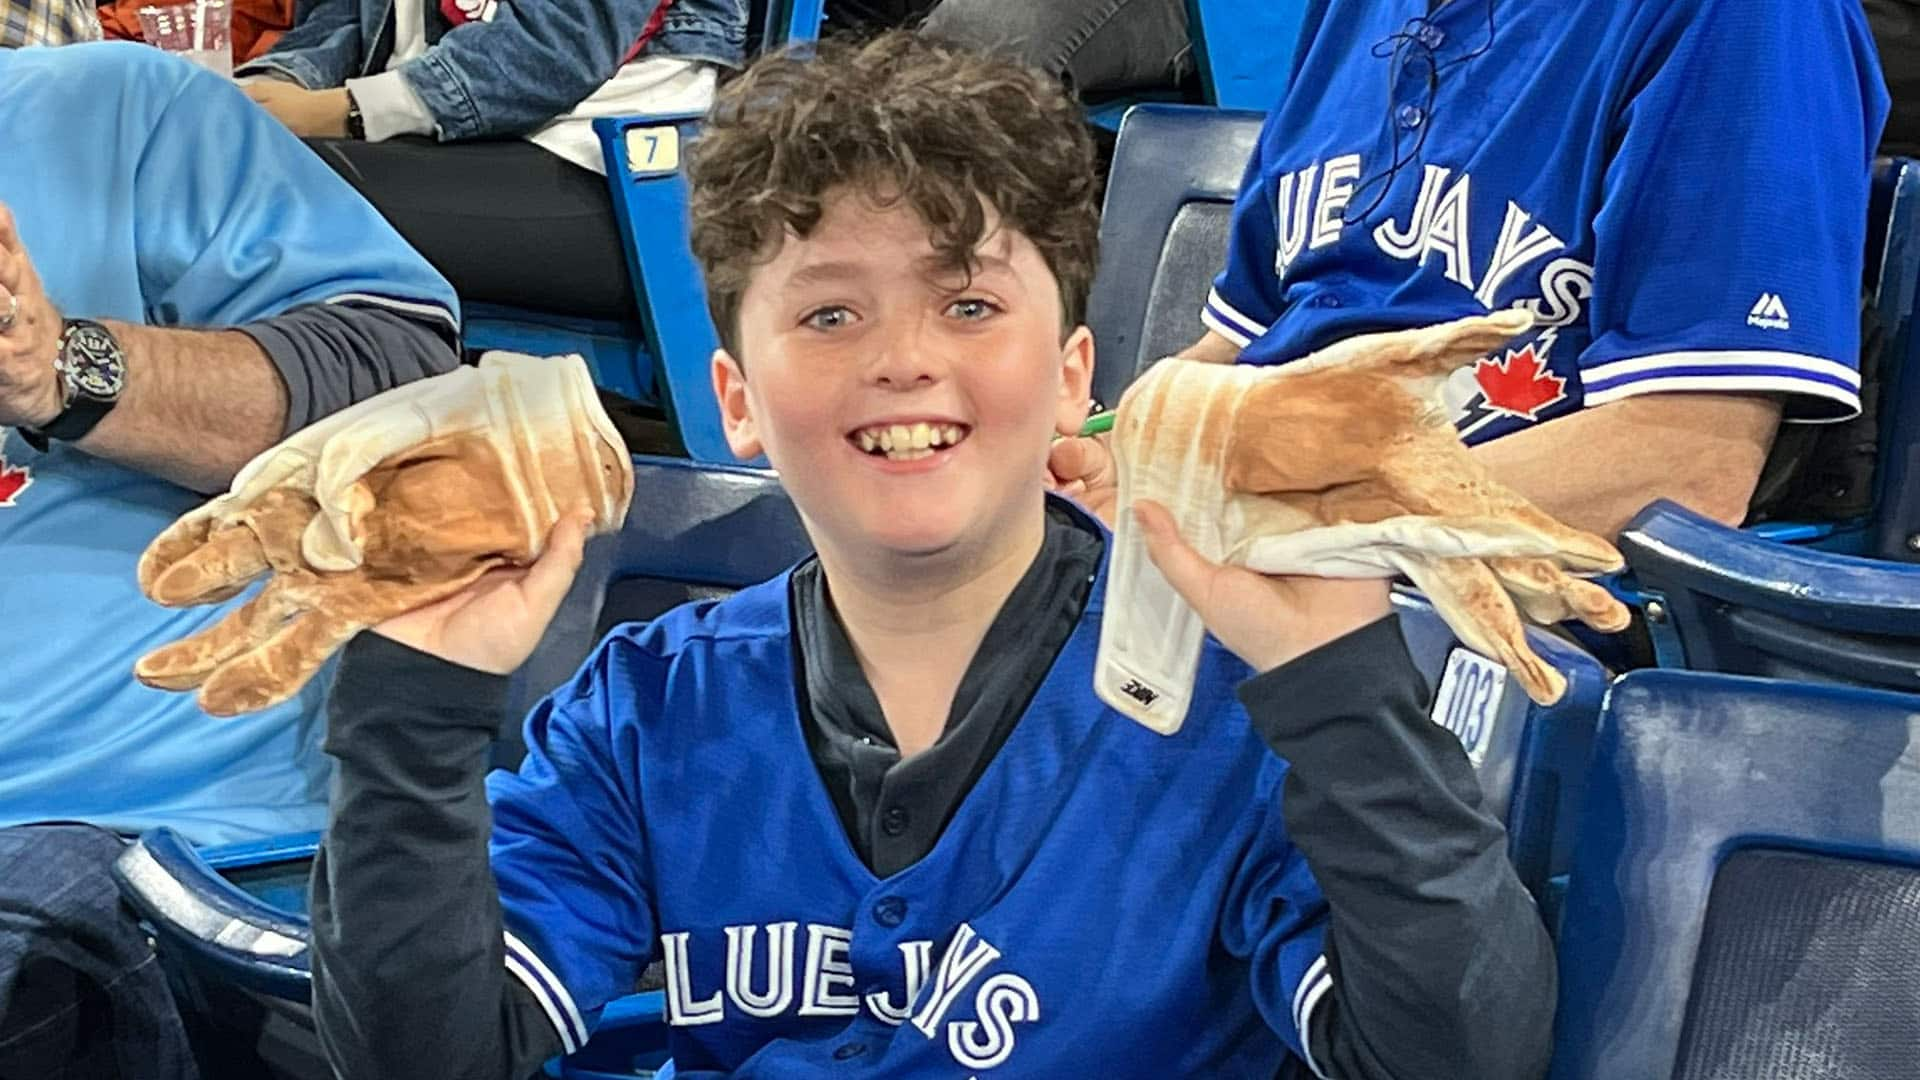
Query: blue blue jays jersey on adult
{"x": 147, "y": 189}
{"x": 669, "y": 809}
{"x": 1676, "y": 188}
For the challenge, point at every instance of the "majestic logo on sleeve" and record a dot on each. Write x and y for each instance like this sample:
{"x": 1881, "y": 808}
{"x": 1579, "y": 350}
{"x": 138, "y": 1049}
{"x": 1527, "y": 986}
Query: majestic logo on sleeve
{"x": 768, "y": 988}
{"x": 14, "y": 479}
{"x": 1769, "y": 313}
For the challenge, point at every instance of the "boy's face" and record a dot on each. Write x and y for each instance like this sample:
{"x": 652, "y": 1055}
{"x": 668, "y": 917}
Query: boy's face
{"x": 855, "y": 339}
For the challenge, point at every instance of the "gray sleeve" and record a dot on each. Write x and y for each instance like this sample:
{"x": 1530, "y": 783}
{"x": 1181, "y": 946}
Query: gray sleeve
{"x": 333, "y": 355}
{"x": 1441, "y": 965}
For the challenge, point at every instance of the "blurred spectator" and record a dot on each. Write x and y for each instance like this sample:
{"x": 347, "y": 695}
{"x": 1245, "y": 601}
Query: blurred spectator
{"x": 1097, "y": 46}
{"x": 529, "y": 78}
{"x": 181, "y": 285}
{"x": 46, "y": 22}
{"x": 257, "y": 24}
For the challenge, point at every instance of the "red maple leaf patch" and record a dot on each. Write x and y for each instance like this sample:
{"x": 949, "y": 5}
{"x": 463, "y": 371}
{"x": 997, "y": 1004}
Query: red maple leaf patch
{"x": 14, "y": 479}
{"x": 1519, "y": 385}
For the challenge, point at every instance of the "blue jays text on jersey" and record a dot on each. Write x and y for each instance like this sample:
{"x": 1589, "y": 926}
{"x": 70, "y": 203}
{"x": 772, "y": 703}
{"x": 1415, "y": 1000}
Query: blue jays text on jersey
{"x": 1580, "y": 162}
{"x": 782, "y": 948}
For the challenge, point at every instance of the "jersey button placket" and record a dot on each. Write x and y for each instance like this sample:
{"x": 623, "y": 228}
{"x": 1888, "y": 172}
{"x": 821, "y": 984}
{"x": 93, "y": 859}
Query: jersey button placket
{"x": 890, "y": 911}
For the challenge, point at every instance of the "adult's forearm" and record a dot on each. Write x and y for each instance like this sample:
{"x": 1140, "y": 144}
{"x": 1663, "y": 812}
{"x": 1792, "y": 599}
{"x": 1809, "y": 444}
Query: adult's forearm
{"x": 197, "y": 405}
{"x": 1211, "y": 349}
{"x": 1599, "y": 467}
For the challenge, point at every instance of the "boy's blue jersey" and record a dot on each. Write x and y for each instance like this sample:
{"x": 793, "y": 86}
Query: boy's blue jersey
{"x": 149, "y": 190}
{"x": 1676, "y": 188}
{"x": 669, "y": 809}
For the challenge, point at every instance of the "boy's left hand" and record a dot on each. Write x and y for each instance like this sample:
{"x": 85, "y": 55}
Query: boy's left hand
{"x": 1266, "y": 621}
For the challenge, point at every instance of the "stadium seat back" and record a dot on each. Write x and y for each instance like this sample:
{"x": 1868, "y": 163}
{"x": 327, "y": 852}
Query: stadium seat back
{"x": 1163, "y": 234}
{"x": 705, "y": 531}
{"x": 1745, "y": 898}
{"x": 1894, "y": 528}
{"x": 1720, "y": 599}
{"x": 1530, "y": 759}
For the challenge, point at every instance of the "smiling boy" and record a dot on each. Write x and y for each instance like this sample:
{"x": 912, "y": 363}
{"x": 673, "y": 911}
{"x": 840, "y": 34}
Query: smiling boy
{"x": 870, "y": 814}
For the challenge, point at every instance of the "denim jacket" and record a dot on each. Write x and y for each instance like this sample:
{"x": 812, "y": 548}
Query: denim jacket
{"x": 533, "y": 61}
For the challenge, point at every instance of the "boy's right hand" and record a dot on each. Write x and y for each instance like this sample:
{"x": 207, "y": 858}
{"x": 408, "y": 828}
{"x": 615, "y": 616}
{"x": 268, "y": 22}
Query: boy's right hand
{"x": 494, "y": 624}
{"x": 1082, "y": 468}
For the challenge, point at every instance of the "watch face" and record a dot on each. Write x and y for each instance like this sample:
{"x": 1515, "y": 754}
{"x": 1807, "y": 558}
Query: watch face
{"x": 92, "y": 362}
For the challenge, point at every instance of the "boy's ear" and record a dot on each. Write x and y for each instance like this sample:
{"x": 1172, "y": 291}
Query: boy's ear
{"x": 736, "y": 413}
{"x": 1076, "y": 382}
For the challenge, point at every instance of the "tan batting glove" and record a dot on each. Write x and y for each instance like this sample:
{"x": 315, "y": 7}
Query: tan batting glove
{"x": 387, "y": 506}
{"x": 1342, "y": 464}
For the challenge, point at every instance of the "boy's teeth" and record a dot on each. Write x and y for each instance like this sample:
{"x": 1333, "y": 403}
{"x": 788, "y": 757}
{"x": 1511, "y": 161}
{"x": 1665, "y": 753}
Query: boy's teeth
{"x": 904, "y": 442}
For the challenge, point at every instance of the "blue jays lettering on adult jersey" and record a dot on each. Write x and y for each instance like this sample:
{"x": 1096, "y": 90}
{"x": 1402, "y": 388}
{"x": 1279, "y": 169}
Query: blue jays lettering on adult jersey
{"x": 669, "y": 809}
{"x": 149, "y": 190}
{"x": 1676, "y": 188}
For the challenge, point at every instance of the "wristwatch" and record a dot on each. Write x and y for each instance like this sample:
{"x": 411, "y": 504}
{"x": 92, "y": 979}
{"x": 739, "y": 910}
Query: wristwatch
{"x": 93, "y": 370}
{"x": 356, "y": 124}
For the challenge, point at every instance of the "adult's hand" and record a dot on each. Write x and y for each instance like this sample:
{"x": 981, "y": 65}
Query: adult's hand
{"x": 29, "y": 337}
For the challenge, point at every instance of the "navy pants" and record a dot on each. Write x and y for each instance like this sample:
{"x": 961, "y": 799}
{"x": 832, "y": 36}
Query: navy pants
{"x": 82, "y": 995}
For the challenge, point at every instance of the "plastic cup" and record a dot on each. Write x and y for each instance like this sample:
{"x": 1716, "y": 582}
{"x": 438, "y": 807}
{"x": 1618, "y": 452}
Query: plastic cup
{"x": 201, "y": 31}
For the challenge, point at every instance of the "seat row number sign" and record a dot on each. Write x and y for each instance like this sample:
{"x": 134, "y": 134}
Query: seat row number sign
{"x": 1469, "y": 700}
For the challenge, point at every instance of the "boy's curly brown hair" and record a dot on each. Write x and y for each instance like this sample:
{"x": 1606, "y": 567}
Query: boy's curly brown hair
{"x": 901, "y": 119}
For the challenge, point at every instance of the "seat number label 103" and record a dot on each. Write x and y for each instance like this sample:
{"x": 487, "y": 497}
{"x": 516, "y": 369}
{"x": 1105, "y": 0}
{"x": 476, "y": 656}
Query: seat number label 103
{"x": 1468, "y": 703}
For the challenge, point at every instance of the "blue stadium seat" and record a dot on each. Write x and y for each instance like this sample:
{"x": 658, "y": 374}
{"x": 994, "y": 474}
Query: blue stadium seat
{"x": 1745, "y": 901}
{"x": 1530, "y": 758}
{"x": 659, "y": 355}
{"x": 1893, "y": 527}
{"x": 1163, "y": 234}
{"x": 1719, "y": 599}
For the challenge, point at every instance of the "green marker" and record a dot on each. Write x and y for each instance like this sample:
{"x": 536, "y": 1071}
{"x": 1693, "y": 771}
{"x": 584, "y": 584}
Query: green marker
{"x": 1097, "y": 424}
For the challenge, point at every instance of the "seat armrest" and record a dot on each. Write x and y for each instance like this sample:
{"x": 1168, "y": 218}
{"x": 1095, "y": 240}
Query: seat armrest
{"x": 211, "y": 923}
{"x": 1668, "y": 547}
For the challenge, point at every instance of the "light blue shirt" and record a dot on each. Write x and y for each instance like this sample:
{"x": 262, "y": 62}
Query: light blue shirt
{"x": 149, "y": 190}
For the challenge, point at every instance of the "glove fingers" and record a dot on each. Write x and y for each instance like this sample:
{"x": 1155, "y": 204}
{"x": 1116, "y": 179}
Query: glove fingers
{"x": 1441, "y": 479}
{"x": 187, "y": 663}
{"x": 1475, "y": 605}
{"x": 277, "y": 670}
{"x": 216, "y": 569}
{"x": 176, "y": 542}
{"x": 1549, "y": 595}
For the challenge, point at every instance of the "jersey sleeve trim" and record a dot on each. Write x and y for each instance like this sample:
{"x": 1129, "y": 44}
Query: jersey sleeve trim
{"x": 1834, "y": 387}
{"x": 1227, "y": 321}
{"x": 416, "y": 308}
{"x": 548, "y": 991}
{"x": 1307, "y": 997}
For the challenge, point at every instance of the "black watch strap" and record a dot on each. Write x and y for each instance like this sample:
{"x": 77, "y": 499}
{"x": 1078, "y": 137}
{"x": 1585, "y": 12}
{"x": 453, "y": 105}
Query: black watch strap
{"x": 80, "y": 416}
